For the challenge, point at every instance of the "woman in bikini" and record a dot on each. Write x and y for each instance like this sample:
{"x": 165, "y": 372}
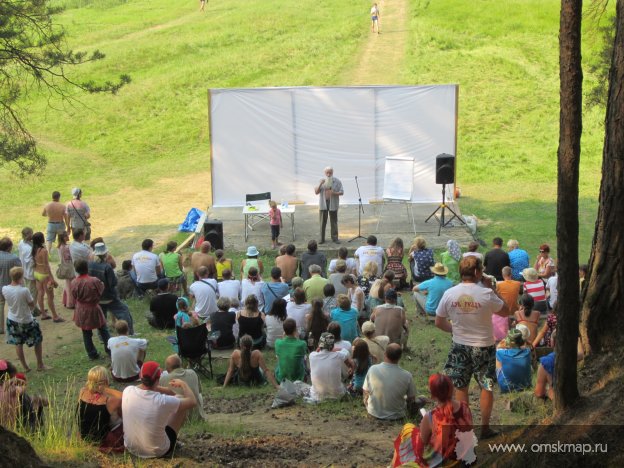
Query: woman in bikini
{"x": 43, "y": 276}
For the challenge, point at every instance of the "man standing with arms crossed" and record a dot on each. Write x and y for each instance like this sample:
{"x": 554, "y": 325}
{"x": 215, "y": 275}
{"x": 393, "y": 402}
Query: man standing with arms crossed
{"x": 329, "y": 191}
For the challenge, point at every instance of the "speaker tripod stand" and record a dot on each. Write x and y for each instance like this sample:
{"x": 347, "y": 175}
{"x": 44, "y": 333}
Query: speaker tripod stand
{"x": 442, "y": 207}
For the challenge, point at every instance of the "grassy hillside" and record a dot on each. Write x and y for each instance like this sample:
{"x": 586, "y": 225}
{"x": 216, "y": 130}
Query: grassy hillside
{"x": 149, "y": 145}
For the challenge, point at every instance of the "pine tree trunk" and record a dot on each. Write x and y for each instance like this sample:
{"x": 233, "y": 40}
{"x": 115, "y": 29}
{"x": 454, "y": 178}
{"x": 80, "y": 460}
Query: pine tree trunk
{"x": 603, "y": 304}
{"x": 568, "y": 154}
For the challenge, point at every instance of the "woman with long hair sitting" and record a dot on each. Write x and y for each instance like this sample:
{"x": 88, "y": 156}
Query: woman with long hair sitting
{"x": 395, "y": 262}
{"x": 362, "y": 360}
{"x": 247, "y": 367}
{"x": 251, "y": 322}
{"x": 275, "y": 321}
{"x": 317, "y": 323}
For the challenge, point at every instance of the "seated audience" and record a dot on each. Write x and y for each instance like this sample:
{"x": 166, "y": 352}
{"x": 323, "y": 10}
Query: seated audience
{"x": 127, "y": 354}
{"x": 377, "y": 344}
{"x": 99, "y": 406}
{"x": 109, "y": 258}
{"x": 583, "y": 269}
{"x": 339, "y": 342}
{"x": 438, "y": 426}
{"x": 182, "y": 318}
{"x": 450, "y": 259}
{"x": 315, "y": 283}
{"x": 316, "y": 324}
{"x": 252, "y": 261}
{"x": 312, "y": 257}
{"x": 146, "y": 265}
{"x": 251, "y": 322}
{"x": 347, "y": 317}
{"x": 275, "y": 321}
{"x": 247, "y": 366}
{"x": 336, "y": 278}
{"x": 544, "y": 264}
{"x": 273, "y": 290}
{"x": 171, "y": 262}
{"x": 389, "y": 391}
{"x": 21, "y": 327}
{"x": 513, "y": 363}
{"x": 552, "y": 286}
{"x": 203, "y": 258}
{"x": 370, "y": 253}
{"x": 390, "y": 320}
{"x": 223, "y": 322}
{"x": 17, "y": 407}
{"x": 291, "y": 354}
{"x": 204, "y": 293}
{"x": 125, "y": 283}
{"x": 473, "y": 248}
{"x": 362, "y": 361}
{"x": 163, "y": 307}
{"x": 534, "y": 286}
{"x": 509, "y": 290}
{"x": 420, "y": 260}
{"x": 433, "y": 289}
{"x": 350, "y": 262}
{"x": 518, "y": 259}
{"x": 395, "y": 262}
{"x": 356, "y": 296}
{"x": 174, "y": 370}
{"x": 297, "y": 309}
{"x": 326, "y": 369}
{"x": 252, "y": 284}
{"x": 153, "y": 415}
{"x": 545, "y": 374}
{"x": 526, "y": 315}
{"x": 296, "y": 282}
{"x": 221, "y": 264}
{"x": 329, "y": 301}
{"x": 366, "y": 280}
{"x": 496, "y": 259}
{"x": 543, "y": 339}
{"x": 229, "y": 287}
{"x": 288, "y": 263}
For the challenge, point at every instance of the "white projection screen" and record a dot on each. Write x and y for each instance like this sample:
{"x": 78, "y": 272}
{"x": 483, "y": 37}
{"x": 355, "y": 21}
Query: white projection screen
{"x": 279, "y": 140}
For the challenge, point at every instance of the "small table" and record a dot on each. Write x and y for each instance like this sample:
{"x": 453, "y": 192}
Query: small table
{"x": 254, "y": 214}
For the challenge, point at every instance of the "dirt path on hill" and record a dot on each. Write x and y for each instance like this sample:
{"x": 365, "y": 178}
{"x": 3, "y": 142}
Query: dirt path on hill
{"x": 381, "y": 59}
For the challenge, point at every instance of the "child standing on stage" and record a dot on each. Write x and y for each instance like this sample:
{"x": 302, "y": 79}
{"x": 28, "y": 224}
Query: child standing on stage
{"x": 275, "y": 220}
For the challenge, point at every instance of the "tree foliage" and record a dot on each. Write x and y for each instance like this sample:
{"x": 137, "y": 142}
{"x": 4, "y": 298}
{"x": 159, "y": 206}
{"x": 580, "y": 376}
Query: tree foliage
{"x": 34, "y": 55}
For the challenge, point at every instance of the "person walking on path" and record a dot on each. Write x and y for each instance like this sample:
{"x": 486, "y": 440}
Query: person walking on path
{"x": 375, "y": 14}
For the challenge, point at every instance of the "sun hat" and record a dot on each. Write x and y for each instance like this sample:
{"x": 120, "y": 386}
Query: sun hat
{"x": 514, "y": 338}
{"x": 439, "y": 269}
{"x": 368, "y": 327}
{"x": 100, "y": 249}
{"x": 326, "y": 341}
{"x": 151, "y": 370}
{"x": 530, "y": 274}
{"x": 252, "y": 251}
{"x": 526, "y": 333}
{"x": 76, "y": 191}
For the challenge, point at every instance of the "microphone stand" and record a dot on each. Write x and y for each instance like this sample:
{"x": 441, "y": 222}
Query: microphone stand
{"x": 360, "y": 213}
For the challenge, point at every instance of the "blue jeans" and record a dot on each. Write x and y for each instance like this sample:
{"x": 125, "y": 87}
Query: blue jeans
{"x": 120, "y": 311}
{"x": 87, "y": 338}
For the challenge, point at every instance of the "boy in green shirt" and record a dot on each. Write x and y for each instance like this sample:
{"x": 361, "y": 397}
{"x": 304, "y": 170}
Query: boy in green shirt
{"x": 291, "y": 354}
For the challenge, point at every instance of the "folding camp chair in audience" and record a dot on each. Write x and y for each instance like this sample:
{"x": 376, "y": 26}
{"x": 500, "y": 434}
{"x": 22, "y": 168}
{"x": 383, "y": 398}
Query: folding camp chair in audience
{"x": 194, "y": 347}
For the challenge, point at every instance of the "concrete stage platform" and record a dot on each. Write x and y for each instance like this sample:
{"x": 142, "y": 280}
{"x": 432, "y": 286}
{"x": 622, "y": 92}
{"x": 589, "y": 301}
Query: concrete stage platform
{"x": 394, "y": 223}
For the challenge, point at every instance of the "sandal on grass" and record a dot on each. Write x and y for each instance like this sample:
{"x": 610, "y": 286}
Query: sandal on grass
{"x": 58, "y": 320}
{"x": 46, "y": 317}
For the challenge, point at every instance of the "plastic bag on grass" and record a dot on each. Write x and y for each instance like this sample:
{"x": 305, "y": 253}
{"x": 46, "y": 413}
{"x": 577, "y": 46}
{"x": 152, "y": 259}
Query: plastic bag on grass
{"x": 286, "y": 395}
{"x": 192, "y": 218}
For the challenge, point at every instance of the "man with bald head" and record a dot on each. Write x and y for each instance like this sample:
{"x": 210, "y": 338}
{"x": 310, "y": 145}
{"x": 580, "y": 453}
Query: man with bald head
{"x": 174, "y": 370}
{"x": 389, "y": 391}
{"x": 329, "y": 190}
{"x": 203, "y": 258}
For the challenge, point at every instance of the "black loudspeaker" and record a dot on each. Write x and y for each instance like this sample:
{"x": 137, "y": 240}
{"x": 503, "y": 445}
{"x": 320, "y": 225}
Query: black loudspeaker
{"x": 445, "y": 169}
{"x": 213, "y": 233}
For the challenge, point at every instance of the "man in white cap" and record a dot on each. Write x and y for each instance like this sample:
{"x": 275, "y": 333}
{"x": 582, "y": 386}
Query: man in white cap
{"x": 78, "y": 213}
{"x": 329, "y": 190}
{"x": 109, "y": 301}
{"x": 433, "y": 289}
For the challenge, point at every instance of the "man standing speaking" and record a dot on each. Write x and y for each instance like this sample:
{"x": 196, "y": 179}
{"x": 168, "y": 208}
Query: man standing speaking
{"x": 329, "y": 190}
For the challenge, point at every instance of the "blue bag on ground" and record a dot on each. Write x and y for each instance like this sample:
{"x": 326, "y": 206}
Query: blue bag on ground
{"x": 192, "y": 218}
